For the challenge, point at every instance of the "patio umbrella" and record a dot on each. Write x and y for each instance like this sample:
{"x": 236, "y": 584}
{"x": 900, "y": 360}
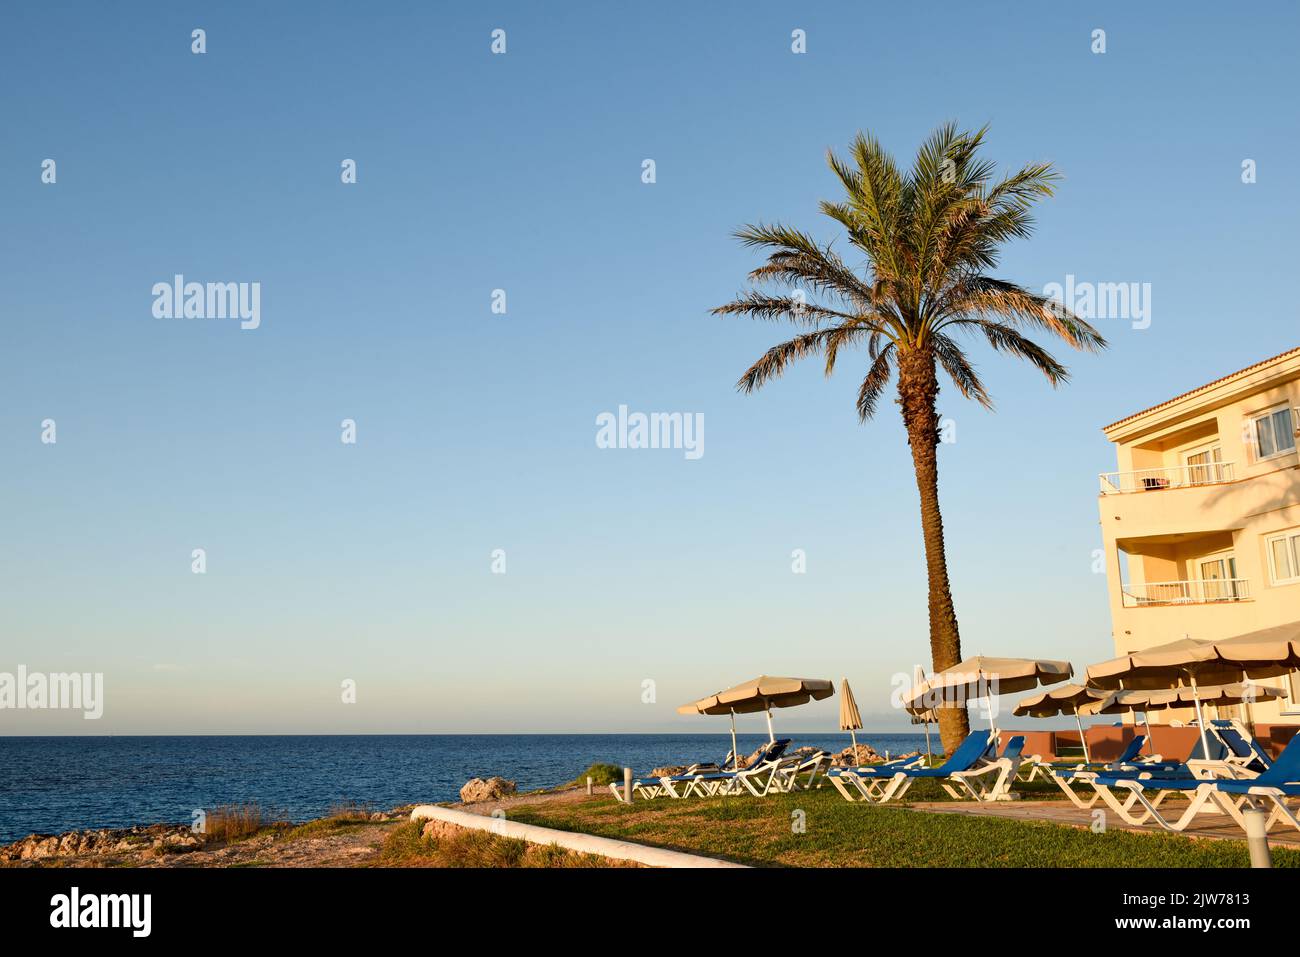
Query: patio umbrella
{"x": 760, "y": 694}
{"x": 850, "y": 719}
{"x": 1262, "y": 654}
{"x": 1131, "y": 702}
{"x": 984, "y": 677}
{"x": 1220, "y": 696}
{"x": 1063, "y": 700}
{"x": 1146, "y": 701}
{"x": 1268, "y": 653}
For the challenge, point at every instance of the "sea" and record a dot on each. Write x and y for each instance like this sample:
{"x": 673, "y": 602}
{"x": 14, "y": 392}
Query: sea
{"x": 54, "y": 784}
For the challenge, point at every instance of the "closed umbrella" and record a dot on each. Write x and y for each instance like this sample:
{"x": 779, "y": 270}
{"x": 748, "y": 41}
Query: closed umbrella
{"x": 850, "y": 719}
{"x": 984, "y": 677}
{"x": 1063, "y": 700}
{"x": 760, "y": 694}
{"x": 925, "y": 717}
{"x": 922, "y": 715}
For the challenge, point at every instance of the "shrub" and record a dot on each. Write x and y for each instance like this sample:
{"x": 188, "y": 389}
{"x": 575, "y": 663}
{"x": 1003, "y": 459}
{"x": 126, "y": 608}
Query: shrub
{"x": 600, "y": 774}
{"x": 231, "y": 822}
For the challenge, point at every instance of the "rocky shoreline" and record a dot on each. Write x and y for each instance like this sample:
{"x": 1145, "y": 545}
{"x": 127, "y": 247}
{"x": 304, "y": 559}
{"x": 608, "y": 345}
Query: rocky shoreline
{"x": 160, "y": 845}
{"x": 337, "y": 840}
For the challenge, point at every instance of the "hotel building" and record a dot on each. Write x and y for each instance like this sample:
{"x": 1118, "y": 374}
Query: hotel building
{"x": 1201, "y": 522}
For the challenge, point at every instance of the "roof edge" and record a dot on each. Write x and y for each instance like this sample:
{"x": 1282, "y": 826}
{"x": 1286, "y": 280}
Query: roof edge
{"x": 1202, "y": 388}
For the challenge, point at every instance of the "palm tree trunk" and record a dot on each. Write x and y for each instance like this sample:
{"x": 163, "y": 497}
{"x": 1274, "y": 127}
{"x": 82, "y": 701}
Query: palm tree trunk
{"x": 918, "y": 394}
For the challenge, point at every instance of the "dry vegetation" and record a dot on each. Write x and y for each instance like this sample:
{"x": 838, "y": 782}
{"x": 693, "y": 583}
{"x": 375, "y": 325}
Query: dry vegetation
{"x": 406, "y": 847}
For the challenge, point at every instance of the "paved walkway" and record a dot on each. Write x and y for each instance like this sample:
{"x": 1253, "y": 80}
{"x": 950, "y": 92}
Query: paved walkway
{"x": 1218, "y": 826}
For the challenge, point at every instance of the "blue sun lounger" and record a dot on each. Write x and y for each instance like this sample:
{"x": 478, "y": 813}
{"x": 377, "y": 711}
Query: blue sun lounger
{"x": 650, "y": 788}
{"x": 758, "y": 779}
{"x": 862, "y": 783}
{"x": 1241, "y": 750}
{"x": 1273, "y": 786}
{"x": 1229, "y": 796}
{"x": 962, "y": 775}
{"x": 1129, "y": 761}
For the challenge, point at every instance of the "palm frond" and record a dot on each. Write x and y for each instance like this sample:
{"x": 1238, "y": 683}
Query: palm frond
{"x": 1004, "y": 338}
{"x": 960, "y": 370}
{"x": 774, "y": 362}
{"x": 1017, "y": 306}
{"x": 873, "y": 385}
{"x": 775, "y": 308}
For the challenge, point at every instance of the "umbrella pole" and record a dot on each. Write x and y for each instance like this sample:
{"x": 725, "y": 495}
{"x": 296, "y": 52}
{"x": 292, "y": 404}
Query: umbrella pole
{"x": 929, "y": 753}
{"x": 735, "y": 758}
{"x": 770, "y": 736}
{"x": 854, "y": 738}
{"x": 1151, "y": 738}
{"x": 1082, "y": 738}
{"x": 1200, "y": 718}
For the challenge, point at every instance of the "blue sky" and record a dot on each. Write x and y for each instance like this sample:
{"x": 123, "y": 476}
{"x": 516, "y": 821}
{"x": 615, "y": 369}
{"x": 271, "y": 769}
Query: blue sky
{"x": 476, "y": 431}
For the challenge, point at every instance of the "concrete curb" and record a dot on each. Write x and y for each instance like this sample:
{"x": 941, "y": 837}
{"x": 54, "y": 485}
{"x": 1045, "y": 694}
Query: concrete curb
{"x": 570, "y": 840}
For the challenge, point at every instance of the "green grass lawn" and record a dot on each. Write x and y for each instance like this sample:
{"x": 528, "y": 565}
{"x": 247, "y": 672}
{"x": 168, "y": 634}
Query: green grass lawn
{"x": 762, "y": 832}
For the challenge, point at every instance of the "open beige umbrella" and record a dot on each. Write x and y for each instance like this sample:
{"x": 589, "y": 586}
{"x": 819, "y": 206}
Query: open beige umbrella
{"x": 1261, "y": 654}
{"x": 1117, "y": 702}
{"x": 760, "y": 694}
{"x": 850, "y": 719}
{"x": 985, "y": 677}
{"x": 1268, "y": 653}
{"x": 1131, "y": 702}
{"x": 1063, "y": 700}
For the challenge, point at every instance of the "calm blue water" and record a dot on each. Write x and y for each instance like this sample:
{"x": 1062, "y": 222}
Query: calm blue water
{"x": 53, "y": 784}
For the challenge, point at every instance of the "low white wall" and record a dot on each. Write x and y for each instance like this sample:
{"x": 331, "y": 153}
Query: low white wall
{"x": 570, "y": 840}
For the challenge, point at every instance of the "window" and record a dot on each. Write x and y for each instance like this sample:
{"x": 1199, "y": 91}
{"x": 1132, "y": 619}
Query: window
{"x": 1204, "y": 466}
{"x": 1274, "y": 433}
{"x": 1219, "y": 579}
{"x": 1284, "y": 556}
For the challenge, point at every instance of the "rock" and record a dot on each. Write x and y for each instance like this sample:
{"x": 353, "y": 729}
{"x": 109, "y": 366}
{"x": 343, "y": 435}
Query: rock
{"x": 181, "y": 843}
{"x": 667, "y": 771}
{"x": 437, "y": 830}
{"x": 477, "y": 789}
{"x": 70, "y": 843}
{"x": 37, "y": 847}
{"x": 377, "y": 816}
{"x": 848, "y": 758}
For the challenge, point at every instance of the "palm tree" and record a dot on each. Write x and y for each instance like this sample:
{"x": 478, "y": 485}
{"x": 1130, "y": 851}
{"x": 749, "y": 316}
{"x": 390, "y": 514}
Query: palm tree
{"x": 929, "y": 238}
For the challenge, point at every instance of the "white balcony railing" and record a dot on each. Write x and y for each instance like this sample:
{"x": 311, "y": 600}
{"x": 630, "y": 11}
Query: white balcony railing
{"x": 1157, "y": 480}
{"x": 1185, "y": 592}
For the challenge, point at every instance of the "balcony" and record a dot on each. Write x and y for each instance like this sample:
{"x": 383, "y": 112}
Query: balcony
{"x": 1158, "y": 480}
{"x": 1192, "y": 592}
